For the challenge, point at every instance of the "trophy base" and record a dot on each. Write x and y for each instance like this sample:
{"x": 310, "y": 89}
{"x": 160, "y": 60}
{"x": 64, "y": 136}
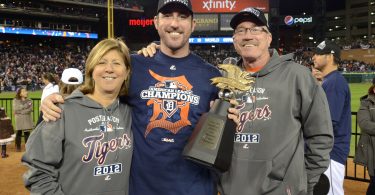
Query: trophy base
{"x": 211, "y": 143}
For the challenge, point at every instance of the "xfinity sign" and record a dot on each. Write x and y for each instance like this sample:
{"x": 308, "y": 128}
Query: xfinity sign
{"x": 290, "y": 20}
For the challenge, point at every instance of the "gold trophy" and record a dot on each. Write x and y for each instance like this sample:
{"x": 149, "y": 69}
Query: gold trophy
{"x": 211, "y": 143}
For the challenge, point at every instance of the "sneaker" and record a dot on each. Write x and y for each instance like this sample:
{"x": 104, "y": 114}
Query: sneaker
{"x": 4, "y": 155}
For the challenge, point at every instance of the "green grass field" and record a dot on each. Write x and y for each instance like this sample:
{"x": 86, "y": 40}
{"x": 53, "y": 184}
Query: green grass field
{"x": 357, "y": 90}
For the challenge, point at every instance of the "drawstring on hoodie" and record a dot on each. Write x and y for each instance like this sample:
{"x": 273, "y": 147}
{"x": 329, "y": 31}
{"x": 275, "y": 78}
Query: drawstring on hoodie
{"x": 254, "y": 94}
{"x": 110, "y": 114}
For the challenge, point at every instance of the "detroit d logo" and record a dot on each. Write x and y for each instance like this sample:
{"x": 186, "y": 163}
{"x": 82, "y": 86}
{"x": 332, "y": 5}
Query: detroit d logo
{"x": 170, "y": 107}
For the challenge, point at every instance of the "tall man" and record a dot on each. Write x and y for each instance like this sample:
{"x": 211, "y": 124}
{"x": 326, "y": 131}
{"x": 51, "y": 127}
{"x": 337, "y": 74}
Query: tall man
{"x": 168, "y": 93}
{"x": 326, "y": 58}
{"x": 284, "y": 137}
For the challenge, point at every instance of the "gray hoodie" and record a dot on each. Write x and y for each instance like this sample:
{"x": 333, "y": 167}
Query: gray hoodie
{"x": 87, "y": 151}
{"x": 284, "y": 137}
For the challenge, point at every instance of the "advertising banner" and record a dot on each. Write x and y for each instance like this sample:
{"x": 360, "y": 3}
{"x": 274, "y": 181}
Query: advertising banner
{"x": 298, "y": 20}
{"x": 210, "y": 40}
{"x": 44, "y": 32}
{"x": 227, "y": 6}
{"x": 206, "y": 22}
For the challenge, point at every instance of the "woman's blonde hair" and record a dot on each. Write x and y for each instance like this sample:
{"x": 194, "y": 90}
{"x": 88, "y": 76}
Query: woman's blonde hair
{"x": 100, "y": 49}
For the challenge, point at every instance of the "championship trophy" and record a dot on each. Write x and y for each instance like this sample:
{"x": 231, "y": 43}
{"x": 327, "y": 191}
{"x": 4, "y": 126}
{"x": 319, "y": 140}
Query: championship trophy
{"x": 211, "y": 143}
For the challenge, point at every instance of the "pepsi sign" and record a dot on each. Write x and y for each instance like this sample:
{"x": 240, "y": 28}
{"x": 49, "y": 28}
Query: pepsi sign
{"x": 290, "y": 20}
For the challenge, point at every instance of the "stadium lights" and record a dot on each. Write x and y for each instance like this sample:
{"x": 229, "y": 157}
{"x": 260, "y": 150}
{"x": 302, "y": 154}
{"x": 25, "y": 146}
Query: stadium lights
{"x": 311, "y": 38}
{"x": 336, "y": 17}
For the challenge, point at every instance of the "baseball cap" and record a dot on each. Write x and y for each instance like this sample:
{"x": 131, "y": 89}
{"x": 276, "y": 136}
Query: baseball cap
{"x": 249, "y": 14}
{"x": 328, "y": 47}
{"x": 72, "y": 76}
{"x": 183, "y": 3}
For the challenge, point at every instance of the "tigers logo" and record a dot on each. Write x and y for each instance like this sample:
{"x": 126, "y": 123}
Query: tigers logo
{"x": 171, "y": 98}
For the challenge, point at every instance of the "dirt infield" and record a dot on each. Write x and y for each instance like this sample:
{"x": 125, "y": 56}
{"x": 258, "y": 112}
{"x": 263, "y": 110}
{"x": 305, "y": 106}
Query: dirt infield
{"x": 11, "y": 171}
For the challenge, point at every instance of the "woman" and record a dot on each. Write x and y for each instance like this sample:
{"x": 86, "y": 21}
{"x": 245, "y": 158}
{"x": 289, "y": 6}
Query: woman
{"x": 89, "y": 149}
{"x": 365, "y": 151}
{"x": 22, "y": 108}
{"x": 50, "y": 86}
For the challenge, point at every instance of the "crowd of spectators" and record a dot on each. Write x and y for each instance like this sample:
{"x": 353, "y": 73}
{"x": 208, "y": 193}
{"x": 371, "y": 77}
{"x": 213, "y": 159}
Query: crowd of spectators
{"x": 23, "y": 65}
{"x": 358, "y": 43}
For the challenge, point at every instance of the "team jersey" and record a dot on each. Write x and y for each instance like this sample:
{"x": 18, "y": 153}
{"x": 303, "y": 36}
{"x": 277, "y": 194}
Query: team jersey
{"x": 338, "y": 95}
{"x": 168, "y": 95}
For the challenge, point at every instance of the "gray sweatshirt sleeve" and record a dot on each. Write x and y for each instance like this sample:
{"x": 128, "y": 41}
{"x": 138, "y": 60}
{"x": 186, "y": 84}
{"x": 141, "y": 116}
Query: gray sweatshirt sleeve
{"x": 44, "y": 152}
{"x": 318, "y": 134}
{"x": 364, "y": 118}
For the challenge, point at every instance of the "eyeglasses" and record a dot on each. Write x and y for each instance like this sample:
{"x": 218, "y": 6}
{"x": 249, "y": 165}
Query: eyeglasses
{"x": 257, "y": 30}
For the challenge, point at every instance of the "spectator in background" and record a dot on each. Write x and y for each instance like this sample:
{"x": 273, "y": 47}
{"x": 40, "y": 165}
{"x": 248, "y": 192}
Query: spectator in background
{"x": 71, "y": 79}
{"x": 22, "y": 108}
{"x": 50, "y": 86}
{"x": 365, "y": 152}
{"x": 326, "y": 59}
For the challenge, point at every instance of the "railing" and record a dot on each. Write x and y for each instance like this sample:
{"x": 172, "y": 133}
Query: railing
{"x": 352, "y": 171}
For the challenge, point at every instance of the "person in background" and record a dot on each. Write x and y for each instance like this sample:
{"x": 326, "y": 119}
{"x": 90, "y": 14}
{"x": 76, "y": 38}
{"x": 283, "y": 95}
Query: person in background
{"x": 365, "y": 152}
{"x": 89, "y": 149}
{"x": 6, "y": 132}
{"x": 50, "y": 86}
{"x": 326, "y": 59}
{"x": 71, "y": 78}
{"x": 22, "y": 108}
